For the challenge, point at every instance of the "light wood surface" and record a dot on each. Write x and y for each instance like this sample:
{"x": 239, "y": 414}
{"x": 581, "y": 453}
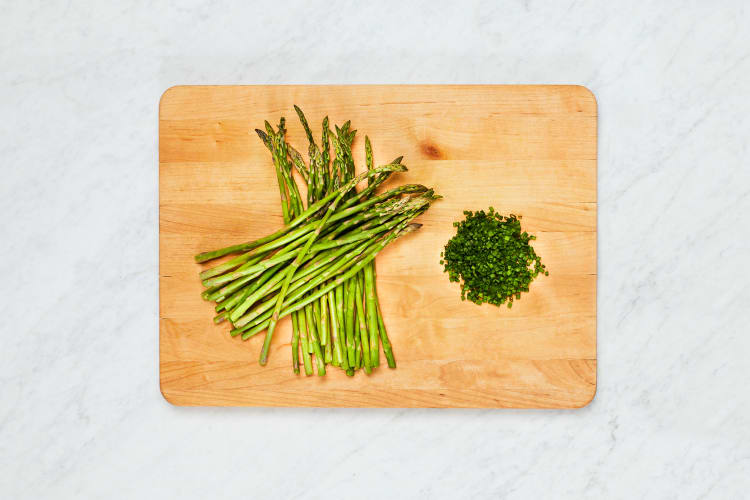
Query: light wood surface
{"x": 528, "y": 150}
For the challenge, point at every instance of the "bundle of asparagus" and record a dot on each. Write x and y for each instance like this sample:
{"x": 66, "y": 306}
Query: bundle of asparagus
{"x": 319, "y": 268}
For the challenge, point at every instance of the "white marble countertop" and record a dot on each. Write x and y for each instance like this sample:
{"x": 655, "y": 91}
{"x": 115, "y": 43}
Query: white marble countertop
{"x": 81, "y": 415}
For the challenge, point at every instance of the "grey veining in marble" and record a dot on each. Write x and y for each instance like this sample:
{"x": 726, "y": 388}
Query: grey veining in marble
{"x": 81, "y": 415}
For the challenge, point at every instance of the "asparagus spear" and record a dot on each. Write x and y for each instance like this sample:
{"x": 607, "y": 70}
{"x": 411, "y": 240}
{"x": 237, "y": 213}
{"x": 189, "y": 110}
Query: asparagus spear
{"x": 305, "y": 342}
{"x": 362, "y": 330}
{"x": 335, "y": 329}
{"x": 372, "y": 317}
{"x": 349, "y": 319}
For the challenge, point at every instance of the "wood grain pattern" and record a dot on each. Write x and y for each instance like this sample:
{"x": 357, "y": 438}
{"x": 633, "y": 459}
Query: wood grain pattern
{"x": 528, "y": 150}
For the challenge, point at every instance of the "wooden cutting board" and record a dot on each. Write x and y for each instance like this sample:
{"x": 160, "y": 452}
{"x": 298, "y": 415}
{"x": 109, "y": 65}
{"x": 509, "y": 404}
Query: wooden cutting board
{"x": 527, "y": 150}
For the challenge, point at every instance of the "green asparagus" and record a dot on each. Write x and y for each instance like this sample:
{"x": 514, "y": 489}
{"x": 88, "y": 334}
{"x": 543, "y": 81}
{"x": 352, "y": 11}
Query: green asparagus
{"x": 319, "y": 267}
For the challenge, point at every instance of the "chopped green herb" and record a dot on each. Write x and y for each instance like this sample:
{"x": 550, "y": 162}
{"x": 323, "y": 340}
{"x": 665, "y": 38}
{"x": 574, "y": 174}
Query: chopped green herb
{"x": 491, "y": 257}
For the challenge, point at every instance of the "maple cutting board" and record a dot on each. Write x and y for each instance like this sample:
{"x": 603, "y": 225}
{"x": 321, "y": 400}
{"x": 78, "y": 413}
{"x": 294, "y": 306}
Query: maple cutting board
{"x": 528, "y": 150}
